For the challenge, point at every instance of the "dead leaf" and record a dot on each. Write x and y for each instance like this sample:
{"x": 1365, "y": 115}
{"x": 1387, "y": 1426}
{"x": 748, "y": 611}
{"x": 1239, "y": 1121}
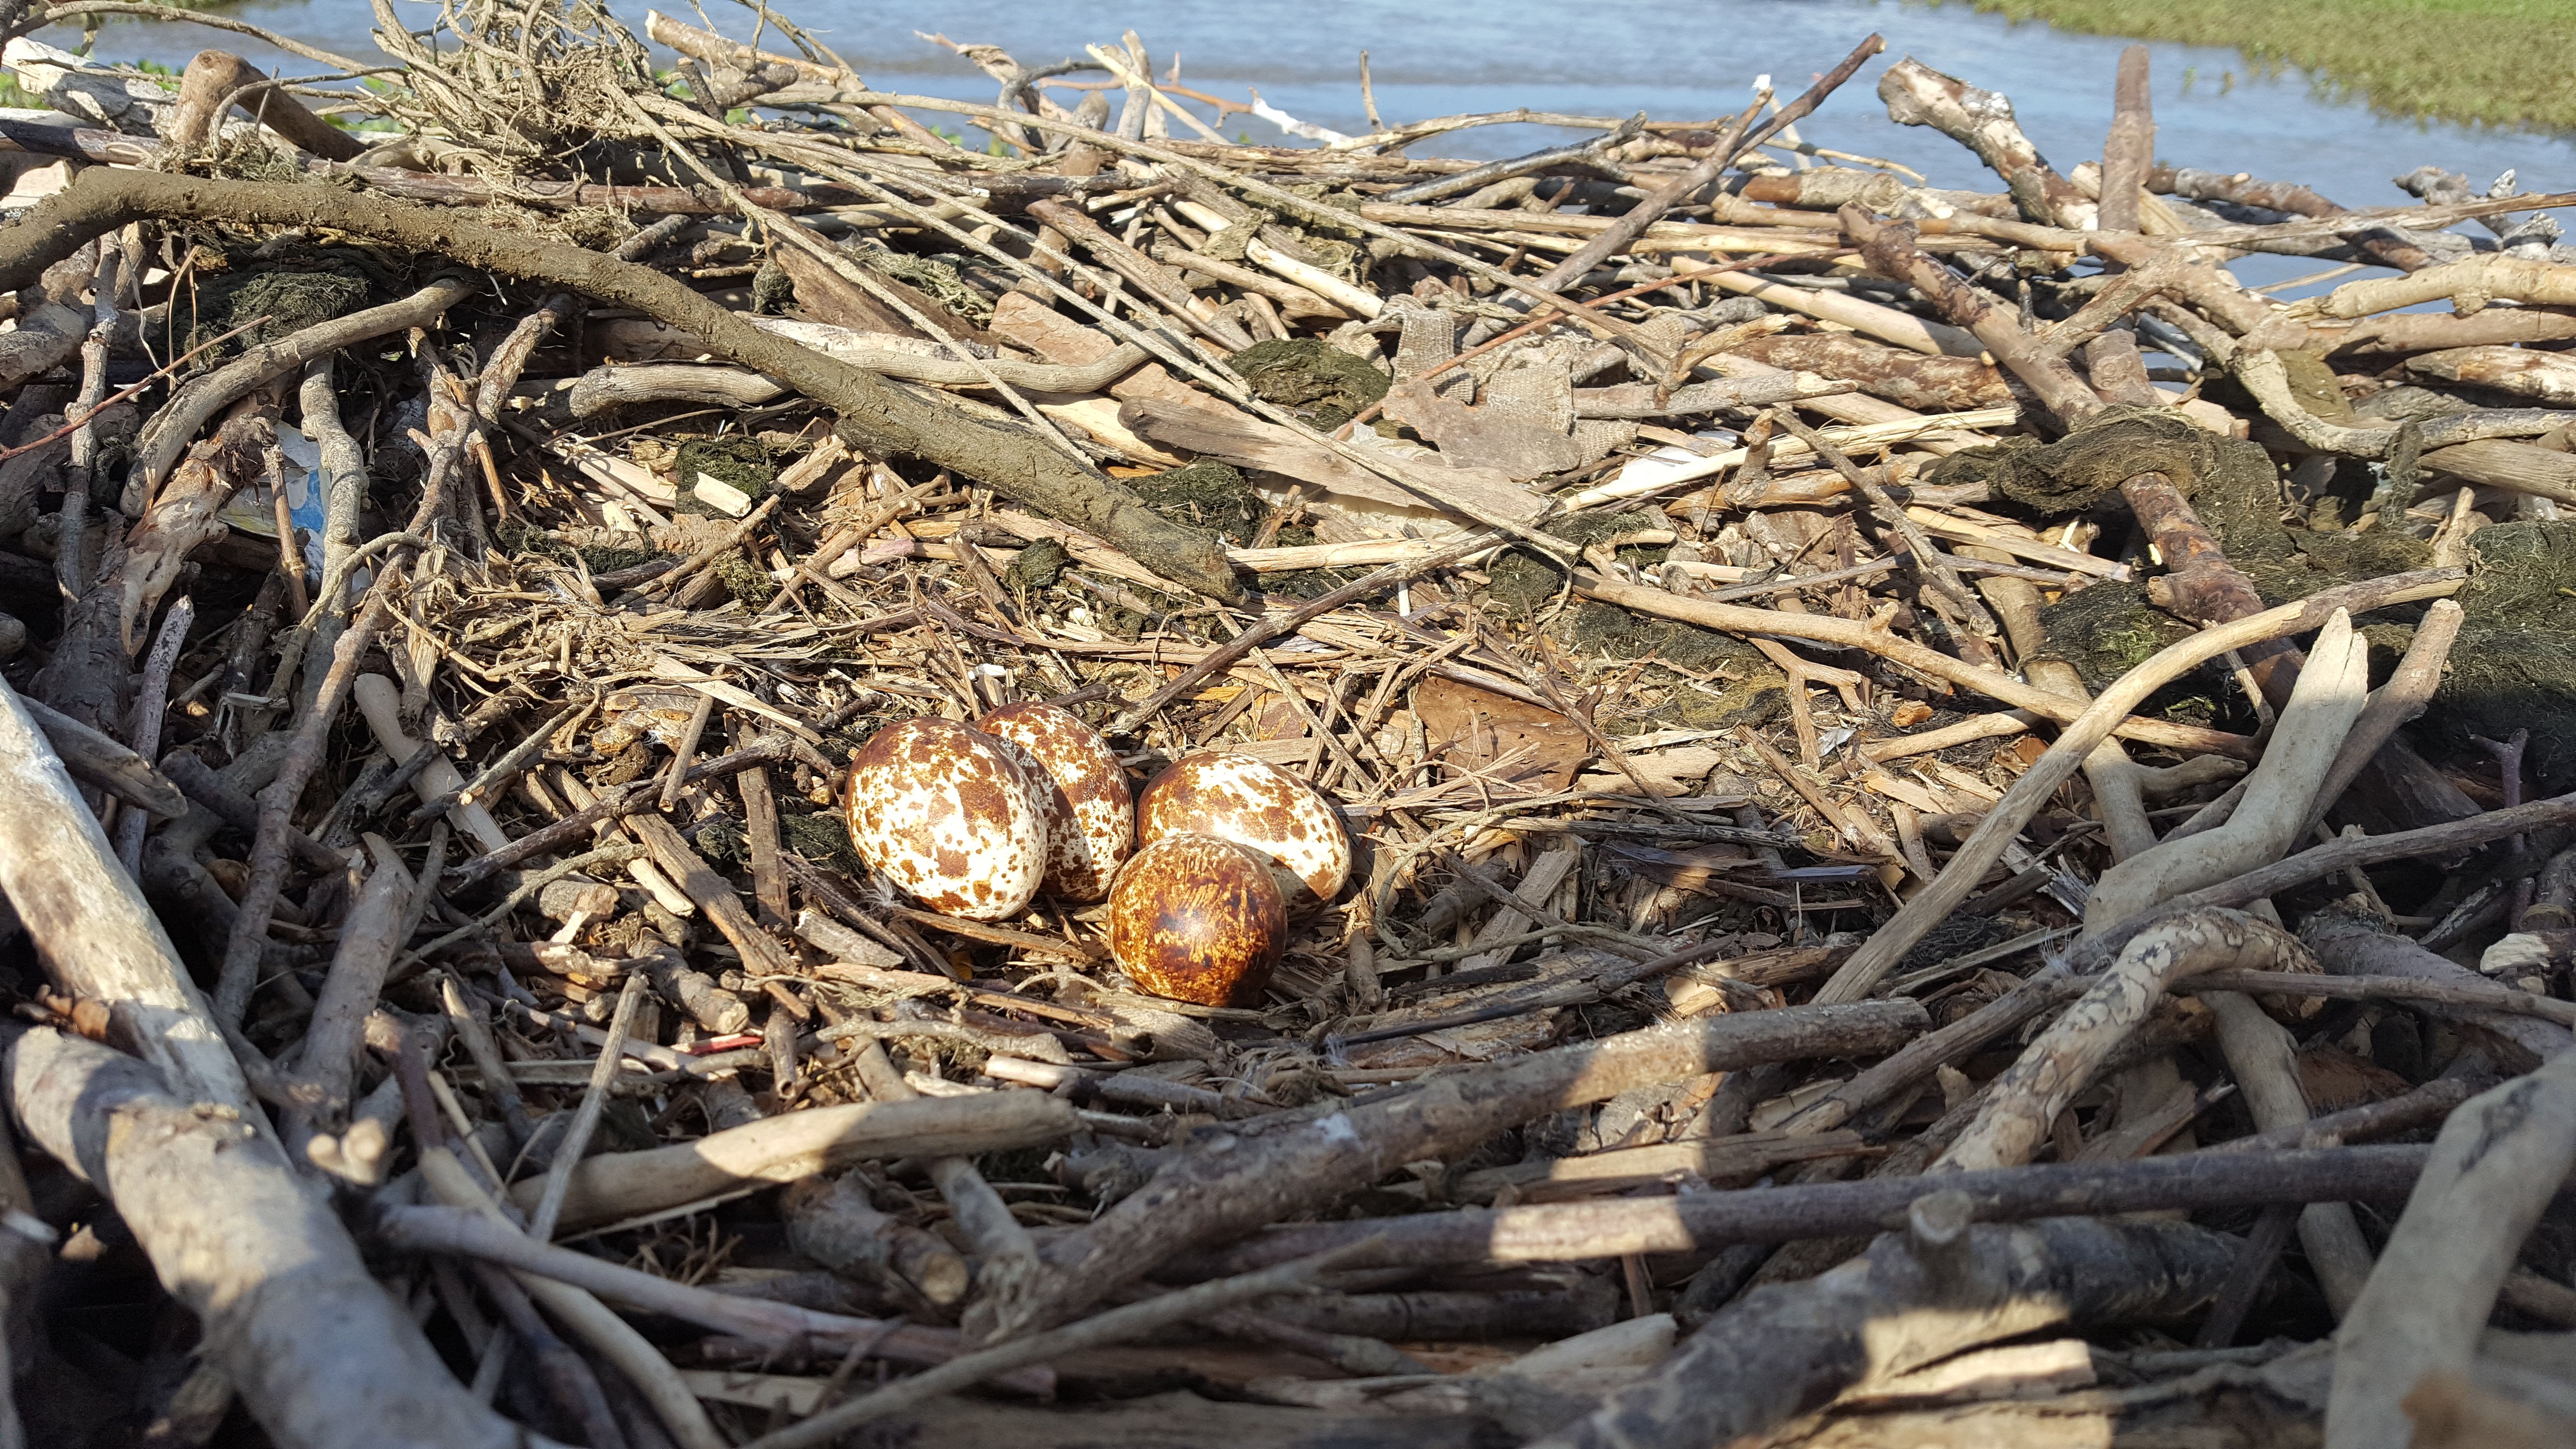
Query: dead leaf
{"x": 1510, "y": 443}
{"x": 1471, "y": 728}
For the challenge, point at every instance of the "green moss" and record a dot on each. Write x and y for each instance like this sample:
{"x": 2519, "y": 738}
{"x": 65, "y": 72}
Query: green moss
{"x": 517, "y": 535}
{"x": 771, "y": 291}
{"x": 1206, "y": 494}
{"x": 737, "y": 461}
{"x": 745, "y": 580}
{"x": 604, "y": 560}
{"x": 822, "y": 839}
{"x": 291, "y": 296}
{"x": 938, "y": 277}
{"x": 2108, "y": 629}
{"x": 2514, "y": 664}
{"x": 1038, "y": 566}
{"x": 1327, "y": 384}
{"x": 723, "y": 843}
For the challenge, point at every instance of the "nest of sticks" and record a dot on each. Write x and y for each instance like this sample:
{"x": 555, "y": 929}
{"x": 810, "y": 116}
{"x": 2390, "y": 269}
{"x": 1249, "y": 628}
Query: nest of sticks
{"x": 1955, "y": 816}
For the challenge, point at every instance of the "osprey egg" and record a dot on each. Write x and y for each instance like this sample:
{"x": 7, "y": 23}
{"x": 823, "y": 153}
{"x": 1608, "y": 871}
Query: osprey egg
{"x": 1252, "y": 803}
{"x": 1198, "y": 919}
{"x": 1090, "y": 816}
{"x": 949, "y": 816}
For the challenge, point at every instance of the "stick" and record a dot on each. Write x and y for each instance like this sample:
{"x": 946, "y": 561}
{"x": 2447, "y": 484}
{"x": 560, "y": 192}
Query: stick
{"x": 1736, "y": 142}
{"x": 585, "y": 1118}
{"x": 1888, "y": 945}
{"x": 1854, "y": 634}
{"x": 1204, "y": 1197}
{"x": 2212, "y": 1180}
{"x": 95, "y": 758}
{"x": 2314, "y": 724}
{"x": 471, "y": 1233}
{"x": 615, "y": 1185}
{"x": 2060, "y": 1064}
{"x": 2392, "y": 706}
{"x": 151, "y": 696}
{"x": 1914, "y": 1298}
{"x": 317, "y": 1351}
{"x": 199, "y": 400}
{"x": 2490, "y": 1174}
{"x": 1118, "y": 1325}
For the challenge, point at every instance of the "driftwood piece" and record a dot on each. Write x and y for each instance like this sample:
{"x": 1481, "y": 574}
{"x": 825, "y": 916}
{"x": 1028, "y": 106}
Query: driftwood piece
{"x": 835, "y": 1225}
{"x": 215, "y": 77}
{"x": 1888, "y": 945}
{"x": 2469, "y": 285}
{"x": 1914, "y": 1298}
{"x": 1207, "y": 1195}
{"x": 1982, "y": 121}
{"x": 475, "y": 1234}
{"x": 2051, "y": 1070}
{"x": 316, "y": 1349}
{"x": 799, "y": 1145}
{"x": 2330, "y": 696}
{"x": 2351, "y": 945}
{"x": 95, "y": 757}
{"x": 2492, "y": 1171}
{"x": 2279, "y": 1172}
{"x": 92, "y": 929}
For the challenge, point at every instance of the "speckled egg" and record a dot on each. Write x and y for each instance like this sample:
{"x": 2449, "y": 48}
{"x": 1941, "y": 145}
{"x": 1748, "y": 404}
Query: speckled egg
{"x": 1247, "y": 801}
{"x": 950, "y": 817}
{"x": 1198, "y": 919}
{"x": 1090, "y": 814}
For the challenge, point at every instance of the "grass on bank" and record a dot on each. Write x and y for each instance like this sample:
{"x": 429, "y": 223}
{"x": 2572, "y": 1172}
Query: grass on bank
{"x": 2501, "y": 62}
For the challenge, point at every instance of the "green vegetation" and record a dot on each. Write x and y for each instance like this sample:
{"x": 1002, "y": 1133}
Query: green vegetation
{"x": 2501, "y": 62}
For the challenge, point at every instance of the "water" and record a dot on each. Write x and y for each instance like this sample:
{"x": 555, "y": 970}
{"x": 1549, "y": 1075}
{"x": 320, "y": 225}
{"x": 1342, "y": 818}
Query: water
{"x": 1604, "y": 57}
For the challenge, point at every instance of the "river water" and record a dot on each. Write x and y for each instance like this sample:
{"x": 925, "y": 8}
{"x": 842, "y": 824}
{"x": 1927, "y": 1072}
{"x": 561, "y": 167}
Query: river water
{"x": 1690, "y": 60}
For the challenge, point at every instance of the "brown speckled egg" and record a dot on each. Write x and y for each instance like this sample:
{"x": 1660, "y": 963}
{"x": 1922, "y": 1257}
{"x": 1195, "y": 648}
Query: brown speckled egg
{"x": 1198, "y": 919}
{"x": 1247, "y": 801}
{"x": 1091, "y": 817}
{"x": 949, "y": 816}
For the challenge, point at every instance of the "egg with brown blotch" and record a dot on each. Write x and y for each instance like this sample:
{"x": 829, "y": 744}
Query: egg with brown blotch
{"x": 1198, "y": 919}
{"x": 1090, "y": 813}
{"x": 1252, "y": 803}
{"x": 949, "y": 816}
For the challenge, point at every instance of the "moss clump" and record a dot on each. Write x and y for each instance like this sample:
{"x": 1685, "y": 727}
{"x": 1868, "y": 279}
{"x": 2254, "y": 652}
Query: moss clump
{"x": 1206, "y": 494}
{"x": 2107, "y": 630}
{"x": 1522, "y": 582}
{"x": 2233, "y": 486}
{"x": 822, "y": 839}
{"x": 1608, "y": 631}
{"x": 2514, "y": 664}
{"x": 517, "y": 535}
{"x": 745, "y": 580}
{"x": 291, "y": 296}
{"x": 1038, "y": 566}
{"x": 937, "y": 276}
{"x": 771, "y": 291}
{"x": 723, "y": 843}
{"x": 1327, "y": 384}
{"x": 602, "y": 559}
{"x": 737, "y": 462}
